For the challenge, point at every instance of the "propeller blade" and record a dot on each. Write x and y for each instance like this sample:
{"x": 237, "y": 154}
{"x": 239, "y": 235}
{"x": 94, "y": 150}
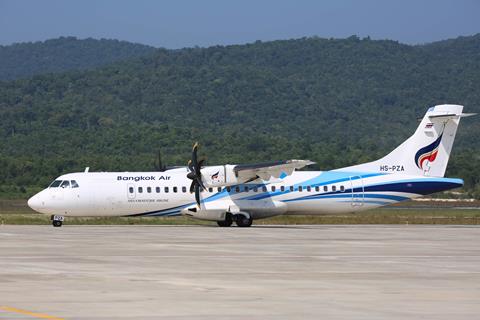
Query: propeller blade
{"x": 191, "y": 175}
{"x": 200, "y": 183}
{"x": 197, "y": 194}
{"x": 192, "y": 186}
{"x": 194, "y": 155}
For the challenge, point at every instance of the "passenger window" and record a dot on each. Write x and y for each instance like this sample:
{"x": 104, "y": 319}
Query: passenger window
{"x": 175, "y": 189}
{"x": 300, "y": 188}
{"x": 334, "y": 188}
{"x": 273, "y": 188}
{"x": 149, "y": 189}
{"x": 282, "y": 188}
{"x": 65, "y": 184}
{"x": 210, "y": 190}
{"x": 325, "y": 188}
{"x": 237, "y": 189}
{"x": 157, "y": 189}
{"x": 245, "y": 188}
{"x": 184, "y": 189}
{"x": 130, "y": 189}
{"x": 219, "y": 189}
{"x": 228, "y": 189}
{"x": 140, "y": 189}
{"x": 166, "y": 189}
{"x": 309, "y": 188}
{"x": 255, "y": 189}
{"x": 342, "y": 188}
{"x": 264, "y": 189}
{"x": 317, "y": 188}
{"x": 74, "y": 184}
{"x": 292, "y": 188}
{"x": 55, "y": 184}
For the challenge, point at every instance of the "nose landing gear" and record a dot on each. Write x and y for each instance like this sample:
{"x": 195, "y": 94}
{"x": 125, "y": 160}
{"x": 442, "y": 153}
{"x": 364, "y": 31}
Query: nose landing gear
{"x": 57, "y": 221}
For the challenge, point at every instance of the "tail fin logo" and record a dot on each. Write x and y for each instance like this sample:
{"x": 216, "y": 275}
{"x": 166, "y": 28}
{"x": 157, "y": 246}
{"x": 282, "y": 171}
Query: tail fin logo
{"x": 428, "y": 153}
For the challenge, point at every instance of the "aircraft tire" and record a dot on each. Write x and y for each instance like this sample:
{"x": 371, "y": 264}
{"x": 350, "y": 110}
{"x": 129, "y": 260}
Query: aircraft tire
{"x": 224, "y": 223}
{"x": 227, "y": 222}
{"x": 243, "y": 221}
{"x": 56, "y": 223}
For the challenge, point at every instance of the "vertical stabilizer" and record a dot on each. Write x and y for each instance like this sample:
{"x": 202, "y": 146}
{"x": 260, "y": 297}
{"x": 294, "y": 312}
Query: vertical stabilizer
{"x": 427, "y": 151}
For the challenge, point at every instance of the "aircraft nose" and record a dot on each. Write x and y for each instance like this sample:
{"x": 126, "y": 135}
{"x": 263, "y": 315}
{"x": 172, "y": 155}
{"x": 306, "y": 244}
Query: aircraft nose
{"x": 35, "y": 202}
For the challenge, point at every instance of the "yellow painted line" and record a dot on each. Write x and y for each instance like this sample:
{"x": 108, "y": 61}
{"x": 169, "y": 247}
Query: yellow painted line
{"x": 28, "y": 313}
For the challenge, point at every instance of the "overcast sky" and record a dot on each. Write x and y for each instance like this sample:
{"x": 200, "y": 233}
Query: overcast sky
{"x": 182, "y": 23}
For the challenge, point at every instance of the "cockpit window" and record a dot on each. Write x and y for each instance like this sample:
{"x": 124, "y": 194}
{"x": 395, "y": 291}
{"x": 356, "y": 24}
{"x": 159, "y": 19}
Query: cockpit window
{"x": 65, "y": 184}
{"x": 55, "y": 184}
{"x": 74, "y": 184}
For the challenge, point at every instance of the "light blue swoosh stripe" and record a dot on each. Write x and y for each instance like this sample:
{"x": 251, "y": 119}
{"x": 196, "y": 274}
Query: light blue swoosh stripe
{"x": 369, "y": 201}
{"x": 349, "y": 195}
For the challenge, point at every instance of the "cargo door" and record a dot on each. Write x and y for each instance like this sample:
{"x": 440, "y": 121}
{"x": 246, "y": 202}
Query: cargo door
{"x": 356, "y": 185}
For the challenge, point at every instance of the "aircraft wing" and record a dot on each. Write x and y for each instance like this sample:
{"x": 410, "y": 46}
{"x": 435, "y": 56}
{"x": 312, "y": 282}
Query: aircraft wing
{"x": 268, "y": 170}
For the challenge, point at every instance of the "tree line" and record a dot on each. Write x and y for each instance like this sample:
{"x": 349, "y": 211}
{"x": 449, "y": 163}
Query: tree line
{"x": 334, "y": 101}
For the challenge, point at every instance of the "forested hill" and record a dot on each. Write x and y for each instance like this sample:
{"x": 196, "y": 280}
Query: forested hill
{"x": 334, "y": 101}
{"x": 22, "y": 60}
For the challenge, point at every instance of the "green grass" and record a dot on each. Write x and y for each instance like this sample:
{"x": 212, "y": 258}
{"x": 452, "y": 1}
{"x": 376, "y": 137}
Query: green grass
{"x": 385, "y": 216}
{"x": 38, "y": 219}
{"x": 17, "y": 212}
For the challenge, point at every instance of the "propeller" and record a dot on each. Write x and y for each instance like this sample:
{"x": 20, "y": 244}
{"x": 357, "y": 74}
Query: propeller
{"x": 195, "y": 174}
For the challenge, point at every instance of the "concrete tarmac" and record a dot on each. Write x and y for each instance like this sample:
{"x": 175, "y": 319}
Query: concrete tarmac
{"x": 263, "y": 272}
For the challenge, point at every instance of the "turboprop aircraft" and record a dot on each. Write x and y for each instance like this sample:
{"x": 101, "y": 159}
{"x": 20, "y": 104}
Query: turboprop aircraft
{"x": 244, "y": 192}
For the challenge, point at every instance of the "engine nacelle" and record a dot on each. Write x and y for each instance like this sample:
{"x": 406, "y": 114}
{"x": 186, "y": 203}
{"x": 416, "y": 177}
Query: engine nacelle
{"x": 219, "y": 176}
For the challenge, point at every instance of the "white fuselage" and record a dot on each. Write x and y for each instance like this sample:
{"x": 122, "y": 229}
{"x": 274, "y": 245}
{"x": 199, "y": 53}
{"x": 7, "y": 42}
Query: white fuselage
{"x": 167, "y": 193}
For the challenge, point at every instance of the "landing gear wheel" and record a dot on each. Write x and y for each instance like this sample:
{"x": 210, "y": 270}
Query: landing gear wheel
{"x": 57, "y": 220}
{"x": 57, "y": 223}
{"x": 227, "y": 222}
{"x": 243, "y": 221}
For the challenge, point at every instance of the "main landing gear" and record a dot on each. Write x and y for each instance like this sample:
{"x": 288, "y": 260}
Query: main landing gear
{"x": 57, "y": 221}
{"x": 227, "y": 222}
{"x": 243, "y": 221}
{"x": 240, "y": 219}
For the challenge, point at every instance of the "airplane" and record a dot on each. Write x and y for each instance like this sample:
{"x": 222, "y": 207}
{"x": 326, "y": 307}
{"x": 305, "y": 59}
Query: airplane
{"x": 245, "y": 192}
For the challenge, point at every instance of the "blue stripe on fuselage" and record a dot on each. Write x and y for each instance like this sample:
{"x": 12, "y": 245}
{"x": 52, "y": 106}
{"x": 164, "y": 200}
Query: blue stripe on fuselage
{"x": 349, "y": 195}
{"x": 420, "y": 186}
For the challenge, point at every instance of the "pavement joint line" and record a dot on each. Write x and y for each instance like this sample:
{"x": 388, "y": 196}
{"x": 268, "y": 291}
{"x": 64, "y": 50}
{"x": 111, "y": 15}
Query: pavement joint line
{"x": 29, "y": 313}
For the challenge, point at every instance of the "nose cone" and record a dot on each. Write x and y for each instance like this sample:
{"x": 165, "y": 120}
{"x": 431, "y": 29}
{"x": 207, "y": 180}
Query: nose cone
{"x": 35, "y": 202}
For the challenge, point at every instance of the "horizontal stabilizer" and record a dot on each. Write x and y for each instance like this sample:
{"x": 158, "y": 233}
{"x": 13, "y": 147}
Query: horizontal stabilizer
{"x": 450, "y": 116}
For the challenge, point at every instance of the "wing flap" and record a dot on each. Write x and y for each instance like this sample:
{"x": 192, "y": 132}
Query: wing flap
{"x": 268, "y": 170}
